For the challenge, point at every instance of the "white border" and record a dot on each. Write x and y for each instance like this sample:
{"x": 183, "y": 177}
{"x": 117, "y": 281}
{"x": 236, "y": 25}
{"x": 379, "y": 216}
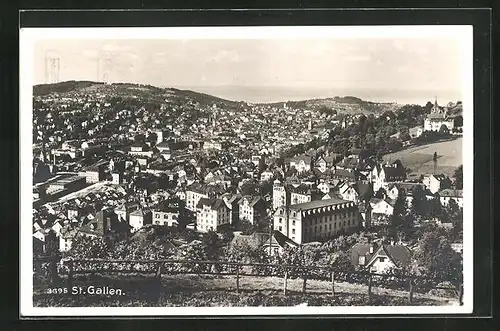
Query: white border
{"x": 29, "y": 36}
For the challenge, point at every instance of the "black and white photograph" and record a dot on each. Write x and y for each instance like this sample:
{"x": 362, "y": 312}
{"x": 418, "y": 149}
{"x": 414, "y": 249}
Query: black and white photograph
{"x": 246, "y": 170}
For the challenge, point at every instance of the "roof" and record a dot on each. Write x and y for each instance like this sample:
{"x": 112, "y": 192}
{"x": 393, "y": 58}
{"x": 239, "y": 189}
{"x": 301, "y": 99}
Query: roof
{"x": 298, "y": 158}
{"x": 400, "y": 255}
{"x": 280, "y": 239}
{"x": 214, "y": 204}
{"x": 318, "y": 204}
{"x": 450, "y": 193}
{"x": 139, "y": 212}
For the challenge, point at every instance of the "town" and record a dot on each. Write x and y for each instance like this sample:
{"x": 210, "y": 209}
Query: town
{"x": 130, "y": 170}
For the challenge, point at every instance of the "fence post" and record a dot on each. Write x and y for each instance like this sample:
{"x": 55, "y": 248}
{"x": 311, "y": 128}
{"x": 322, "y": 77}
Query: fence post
{"x": 461, "y": 294}
{"x": 54, "y": 276}
{"x": 370, "y": 287}
{"x": 411, "y": 290}
{"x": 333, "y": 282}
{"x": 159, "y": 271}
{"x": 70, "y": 274}
{"x": 237, "y": 278}
{"x": 285, "y": 281}
{"x": 304, "y": 284}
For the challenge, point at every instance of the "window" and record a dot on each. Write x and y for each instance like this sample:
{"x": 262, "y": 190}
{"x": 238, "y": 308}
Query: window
{"x": 165, "y": 216}
{"x": 361, "y": 260}
{"x": 293, "y": 231}
{"x": 280, "y": 228}
{"x": 157, "y": 222}
{"x": 330, "y": 226}
{"x": 382, "y": 259}
{"x": 293, "y": 222}
{"x": 280, "y": 219}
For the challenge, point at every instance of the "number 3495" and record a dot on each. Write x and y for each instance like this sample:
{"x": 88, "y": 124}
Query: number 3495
{"x": 57, "y": 290}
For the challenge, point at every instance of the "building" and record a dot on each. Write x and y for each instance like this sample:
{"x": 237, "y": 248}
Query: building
{"x": 318, "y": 219}
{"x": 197, "y": 191}
{"x": 281, "y": 195}
{"x": 387, "y": 257}
{"x": 253, "y": 209}
{"x": 139, "y": 218}
{"x": 123, "y": 212}
{"x": 96, "y": 173}
{"x": 277, "y": 243}
{"x": 303, "y": 193}
{"x": 381, "y": 208}
{"x": 381, "y": 175}
{"x": 326, "y": 161}
{"x": 437, "y": 118}
{"x": 435, "y": 183}
{"x": 211, "y": 214}
{"x": 362, "y": 253}
{"x": 449, "y": 194}
{"x": 166, "y": 214}
{"x": 66, "y": 185}
{"x": 302, "y": 163}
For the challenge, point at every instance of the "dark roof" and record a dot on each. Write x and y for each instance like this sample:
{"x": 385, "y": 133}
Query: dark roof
{"x": 318, "y": 204}
{"x": 280, "y": 239}
{"x": 214, "y": 204}
{"x": 399, "y": 254}
{"x": 450, "y": 193}
{"x": 363, "y": 189}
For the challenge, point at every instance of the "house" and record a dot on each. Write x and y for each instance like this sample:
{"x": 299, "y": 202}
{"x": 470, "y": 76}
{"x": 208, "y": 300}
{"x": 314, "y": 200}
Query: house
{"x": 211, "y": 214}
{"x": 362, "y": 253}
{"x": 449, "y": 194}
{"x": 326, "y": 161}
{"x": 266, "y": 175}
{"x": 166, "y": 214}
{"x": 365, "y": 210}
{"x": 356, "y": 192}
{"x": 381, "y": 208}
{"x": 281, "y": 194}
{"x": 301, "y": 163}
{"x": 435, "y": 183}
{"x": 277, "y": 243}
{"x": 140, "y": 217}
{"x": 66, "y": 238}
{"x": 254, "y": 240}
{"x": 381, "y": 175}
{"x": 231, "y": 201}
{"x": 325, "y": 187}
{"x": 303, "y": 193}
{"x": 316, "y": 220}
{"x": 197, "y": 191}
{"x": 387, "y": 257}
{"x": 253, "y": 209}
{"x": 123, "y": 211}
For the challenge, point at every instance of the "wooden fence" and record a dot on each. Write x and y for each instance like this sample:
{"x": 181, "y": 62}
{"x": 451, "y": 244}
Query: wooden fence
{"x": 159, "y": 268}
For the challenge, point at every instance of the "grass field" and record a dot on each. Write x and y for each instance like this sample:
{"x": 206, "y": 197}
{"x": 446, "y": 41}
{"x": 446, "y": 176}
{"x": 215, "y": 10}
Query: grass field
{"x": 210, "y": 291}
{"x": 419, "y": 159}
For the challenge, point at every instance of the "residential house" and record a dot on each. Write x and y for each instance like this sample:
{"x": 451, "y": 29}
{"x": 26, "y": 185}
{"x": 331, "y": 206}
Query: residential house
{"x": 253, "y": 209}
{"x": 381, "y": 175}
{"x": 277, "y": 243}
{"x": 266, "y": 175}
{"x": 211, "y": 214}
{"x": 139, "y": 218}
{"x": 362, "y": 253}
{"x": 166, "y": 214}
{"x": 326, "y": 161}
{"x": 301, "y": 163}
{"x": 303, "y": 193}
{"x": 281, "y": 194}
{"x": 435, "y": 183}
{"x": 232, "y": 202}
{"x": 123, "y": 211}
{"x": 381, "y": 208}
{"x": 449, "y": 194}
{"x": 387, "y": 257}
{"x": 197, "y": 191}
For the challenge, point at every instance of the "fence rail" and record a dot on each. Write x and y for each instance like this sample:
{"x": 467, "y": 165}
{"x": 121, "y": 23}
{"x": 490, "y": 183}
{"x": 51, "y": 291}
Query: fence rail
{"x": 160, "y": 267}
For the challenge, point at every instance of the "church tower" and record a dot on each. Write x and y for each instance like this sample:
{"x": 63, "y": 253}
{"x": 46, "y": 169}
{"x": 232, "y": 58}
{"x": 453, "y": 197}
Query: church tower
{"x": 310, "y": 125}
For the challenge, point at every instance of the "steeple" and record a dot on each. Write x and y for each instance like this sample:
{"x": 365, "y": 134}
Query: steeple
{"x": 310, "y": 126}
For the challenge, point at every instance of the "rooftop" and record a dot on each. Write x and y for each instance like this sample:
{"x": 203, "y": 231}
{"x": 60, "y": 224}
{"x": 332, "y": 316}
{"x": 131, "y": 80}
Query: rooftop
{"x": 318, "y": 204}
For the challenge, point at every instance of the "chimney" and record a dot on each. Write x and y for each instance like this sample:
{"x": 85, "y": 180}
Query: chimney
{"x": 371, "y": 248}
{"x": 392, "y": 242}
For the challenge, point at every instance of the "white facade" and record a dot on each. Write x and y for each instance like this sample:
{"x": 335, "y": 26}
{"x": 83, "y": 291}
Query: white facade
{"x": 208, "y": 219}
{"x": 192, "y": 199}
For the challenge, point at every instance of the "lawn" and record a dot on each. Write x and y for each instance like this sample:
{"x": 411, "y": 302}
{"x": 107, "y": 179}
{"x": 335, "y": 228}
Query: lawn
{"x": 419, "y": 159}
{"x": 211, "y": 291}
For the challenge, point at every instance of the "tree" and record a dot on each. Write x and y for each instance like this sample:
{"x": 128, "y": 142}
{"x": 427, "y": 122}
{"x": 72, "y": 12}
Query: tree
{"x": 419, "y": 203}
{"x": 444, "y": 129}
{"x": 437, "y": 259}
{"x": 140, "y": 138}
{"x": 459, "y": 178}
{"x": 152, "y": 138}
{"x": 248, "y": 188}
{"x": 458, "y": 121}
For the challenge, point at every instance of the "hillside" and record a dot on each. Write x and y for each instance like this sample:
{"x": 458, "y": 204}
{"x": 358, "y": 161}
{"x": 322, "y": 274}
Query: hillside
{"x": 128, "y": 90}
{"x": 342, "y": 105}
{"x": 419, "y": 159}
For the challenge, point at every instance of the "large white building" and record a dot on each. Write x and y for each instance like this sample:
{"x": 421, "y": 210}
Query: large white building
{"x": 211, "y": 214}
{"x": 318, "y": 219}
{"x": 437, "y": 118}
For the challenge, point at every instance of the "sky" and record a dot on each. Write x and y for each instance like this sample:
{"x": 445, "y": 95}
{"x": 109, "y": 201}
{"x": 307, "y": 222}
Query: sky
{"x": 405, "y": 64}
